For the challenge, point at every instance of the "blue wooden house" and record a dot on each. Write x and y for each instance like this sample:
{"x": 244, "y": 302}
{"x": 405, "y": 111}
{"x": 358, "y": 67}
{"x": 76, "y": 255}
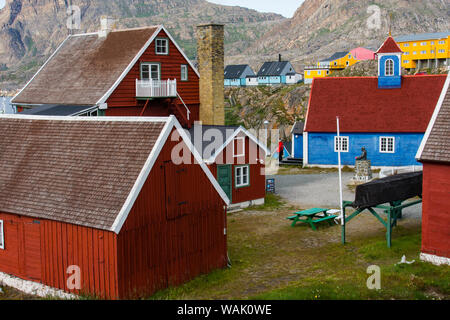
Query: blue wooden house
{"x": 388, "y": 114}
{"x": 236, "y": 75}
{"x": 275, "y": 72}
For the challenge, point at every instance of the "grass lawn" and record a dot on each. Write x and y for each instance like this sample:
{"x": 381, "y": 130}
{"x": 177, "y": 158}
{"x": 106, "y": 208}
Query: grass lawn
{"x": 272, "y": 260}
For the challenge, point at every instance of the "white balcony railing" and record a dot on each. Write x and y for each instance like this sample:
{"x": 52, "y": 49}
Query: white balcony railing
{"x": 156, "y": 88}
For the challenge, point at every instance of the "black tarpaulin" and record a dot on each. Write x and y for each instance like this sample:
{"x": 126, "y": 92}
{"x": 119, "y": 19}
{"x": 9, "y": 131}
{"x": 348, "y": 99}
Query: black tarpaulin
{"x": 394, "y": 188}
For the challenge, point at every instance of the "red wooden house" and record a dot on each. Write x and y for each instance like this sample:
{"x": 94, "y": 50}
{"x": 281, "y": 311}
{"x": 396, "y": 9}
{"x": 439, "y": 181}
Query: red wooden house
{"x": 128, "y": 72}
{"x": 237, "y": 160}
{"x": 103, "y": 194}
{"x": 434, "y": 153}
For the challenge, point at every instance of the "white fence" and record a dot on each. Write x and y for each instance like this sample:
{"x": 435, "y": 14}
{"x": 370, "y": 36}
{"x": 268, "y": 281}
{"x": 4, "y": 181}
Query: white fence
{"x": 156, "y": 88}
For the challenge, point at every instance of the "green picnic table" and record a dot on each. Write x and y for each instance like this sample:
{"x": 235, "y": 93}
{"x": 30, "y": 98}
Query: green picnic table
{"x": 312, "y": 217}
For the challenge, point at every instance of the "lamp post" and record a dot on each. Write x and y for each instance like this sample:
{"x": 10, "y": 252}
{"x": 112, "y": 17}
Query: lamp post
{"x": 266, "y": 124}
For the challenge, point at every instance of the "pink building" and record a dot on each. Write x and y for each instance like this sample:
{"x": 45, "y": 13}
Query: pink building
{"x": 363, "y": 54}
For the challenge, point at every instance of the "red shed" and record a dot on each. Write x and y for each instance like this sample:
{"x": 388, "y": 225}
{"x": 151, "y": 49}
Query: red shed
{"x": 237, "y": 160}
{"x": 434, "y": 153}
{"x": 105, "y": 194}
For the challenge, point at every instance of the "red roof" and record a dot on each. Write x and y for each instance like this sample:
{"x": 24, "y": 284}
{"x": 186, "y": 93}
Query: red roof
{"x": 362, "y": 107}
{"x": 389, "y": 46}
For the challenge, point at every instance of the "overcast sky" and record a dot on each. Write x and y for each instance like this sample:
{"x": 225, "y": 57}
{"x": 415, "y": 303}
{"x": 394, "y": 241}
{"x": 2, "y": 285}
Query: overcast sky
{"x": 284, "y": 7}
{"x": 2, "y": 3}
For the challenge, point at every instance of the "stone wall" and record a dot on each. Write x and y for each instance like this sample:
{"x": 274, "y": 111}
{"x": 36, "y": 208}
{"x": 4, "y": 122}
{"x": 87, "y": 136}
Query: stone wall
{"x": 210, "y": 48}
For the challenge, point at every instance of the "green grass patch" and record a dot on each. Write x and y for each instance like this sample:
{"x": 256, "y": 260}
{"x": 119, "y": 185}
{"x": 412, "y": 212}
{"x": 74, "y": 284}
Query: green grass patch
{"x": 271, "y": 202}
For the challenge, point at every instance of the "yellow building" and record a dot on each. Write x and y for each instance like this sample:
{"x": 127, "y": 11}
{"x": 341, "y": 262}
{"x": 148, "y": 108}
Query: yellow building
{"x": 427, "y": 50}
{"x": 338, "y": 61}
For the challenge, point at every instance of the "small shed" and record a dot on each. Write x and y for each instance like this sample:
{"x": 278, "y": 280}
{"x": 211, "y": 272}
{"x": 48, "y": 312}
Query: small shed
{"x": 107, "y": 196}
{"x": 434, "y": 153}
{"x": 237, "y": 160}
{"x": 297, "y": 139}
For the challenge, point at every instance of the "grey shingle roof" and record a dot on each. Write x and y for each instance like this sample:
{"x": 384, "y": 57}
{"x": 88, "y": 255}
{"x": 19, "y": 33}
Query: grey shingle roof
{"x": 205, "y": 149}
{"x": 335, "y": 56}
{"x": 55, "y": 110}
{"x": 437, "y": 146}
{"x": 422, "y": 36}
{"x": 235, "y": 71}
{"x": 298, "y": 127}
{"x": 74, "y": 171}
{"x": 274, "y": 68}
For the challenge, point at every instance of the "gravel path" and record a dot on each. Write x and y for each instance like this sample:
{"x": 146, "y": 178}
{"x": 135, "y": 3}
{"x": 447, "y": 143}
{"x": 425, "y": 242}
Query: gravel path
{"x": 322, "y": 190}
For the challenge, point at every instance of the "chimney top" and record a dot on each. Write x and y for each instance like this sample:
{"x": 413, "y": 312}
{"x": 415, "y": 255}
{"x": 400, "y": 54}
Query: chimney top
{"x": 107, "y": 24}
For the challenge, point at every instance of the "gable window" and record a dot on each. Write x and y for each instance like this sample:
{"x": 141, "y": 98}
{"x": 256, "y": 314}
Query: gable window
{"x": 162, "y": 46}
{"x": 242, "y": 176}
{"x": 150, "y": 71}
{"x": 342, "y": 145}
{"x": 184, "y": 72}
{"x": 2, "y": 236}
{"x": 387, "y": 144}
{"x": 347, "y": 63}
{"x": 389, "y": 67}
{"x": 239, "y": 147}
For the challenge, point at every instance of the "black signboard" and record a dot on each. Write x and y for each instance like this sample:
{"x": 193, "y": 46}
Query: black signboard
{"x": 270, "y": 185}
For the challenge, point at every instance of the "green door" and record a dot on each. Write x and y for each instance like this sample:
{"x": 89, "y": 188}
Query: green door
{"x": 225, "y": 179}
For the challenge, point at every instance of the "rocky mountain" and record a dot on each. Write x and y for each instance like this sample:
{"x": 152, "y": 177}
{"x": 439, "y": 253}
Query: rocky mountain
{"x": 31, "y": 30}
{"x": 321, "y": 27}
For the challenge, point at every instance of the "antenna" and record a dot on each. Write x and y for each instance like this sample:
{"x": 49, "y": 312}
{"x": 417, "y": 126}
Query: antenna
{"x": 390, "y": 24}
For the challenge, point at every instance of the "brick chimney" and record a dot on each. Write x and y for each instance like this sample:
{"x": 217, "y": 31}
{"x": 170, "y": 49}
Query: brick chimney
{"x": 210, "y": 53}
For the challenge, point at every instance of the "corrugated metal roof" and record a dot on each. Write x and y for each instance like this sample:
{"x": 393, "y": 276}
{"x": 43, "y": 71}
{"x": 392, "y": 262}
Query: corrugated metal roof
{"x": 235, "y": 71}
{"x": 422, "y": 36}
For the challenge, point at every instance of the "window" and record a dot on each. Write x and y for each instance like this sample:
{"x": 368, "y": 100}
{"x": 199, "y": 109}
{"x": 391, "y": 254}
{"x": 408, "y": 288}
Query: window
{"x": 406, "y": 45}
{"x": 319, "y": 72}
{"x": 184, "y": 72}
{"x": 150, "y": 71}
{"x": 441, "y": 50}
{"x": 423, "y": 43}
{"x": 406, "y": 61}
{"x": 308, "y": 73}
{"x": 406, "y": 53}
{"x": 415, "y": 44}
{"x": 432, "y": 42}
{"x": 239, "y": 147}
{"x": 92, "y": 113}
{"x": 343, "y": 144}
{"x": 387, "y": 144}
{"x": 389, "y": 67}
{"x": 162, "y": 46}
{"x": 442, "y": 42}
{"x": 349, "y": 56}
{"x": 242, "y": 176}
{"x": 415, "y": 52}
{"x": 328, "y": 71}
{"x": 423, "y": 52}
{"x": 432, "y": 51}
{"x": 347, "y": 63}
{"x": 2, "y": 237}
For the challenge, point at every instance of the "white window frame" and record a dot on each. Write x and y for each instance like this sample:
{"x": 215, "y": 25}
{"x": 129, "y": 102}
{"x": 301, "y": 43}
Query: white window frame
{"x": 235, "y": 143}
{"x": 387, "y": 139}
{"x": 386, "y": 69}
{"x": 343, "y": 138}
{"x": 241, "y": 176}
{"x": 184, "y": 72}
{"x": 406, "y": 45}
{"x": 423, "y": 44}
{"x": 2, "y": 236}
{"x": 159, "y": 45}
{"x": 441, "y": 41}
{"x": 150, "y": 64}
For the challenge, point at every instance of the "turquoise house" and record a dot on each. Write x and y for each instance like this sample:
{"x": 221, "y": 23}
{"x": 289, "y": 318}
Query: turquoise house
{"x": 236, "y": 75}
{"x": 275, "y": 72}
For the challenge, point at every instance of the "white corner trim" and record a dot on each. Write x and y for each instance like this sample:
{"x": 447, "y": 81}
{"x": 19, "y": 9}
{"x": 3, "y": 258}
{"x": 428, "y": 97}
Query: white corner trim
{"x": 129, "y": 67}
{"x": 212, "y": 159}
{"x": 433, "y": 118}
{"x": 142, "y": 178}
{"x": 200, "y": 161}
{"x": 436, "y": 260}
{"x": 34, "y": 288}
{"x": 40, "y": 69}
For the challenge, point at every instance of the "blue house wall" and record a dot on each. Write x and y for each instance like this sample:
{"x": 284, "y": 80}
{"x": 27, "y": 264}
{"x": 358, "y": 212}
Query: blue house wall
{"x": 321, "y": 149}
{"x": 389, "y": 82}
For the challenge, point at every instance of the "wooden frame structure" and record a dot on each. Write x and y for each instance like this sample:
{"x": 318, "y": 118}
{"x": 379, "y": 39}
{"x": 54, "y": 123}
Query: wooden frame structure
{"x": 394, "y": 212}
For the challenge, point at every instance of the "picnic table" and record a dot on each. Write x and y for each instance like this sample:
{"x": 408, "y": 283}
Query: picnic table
{"x": 313, "y": 216}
